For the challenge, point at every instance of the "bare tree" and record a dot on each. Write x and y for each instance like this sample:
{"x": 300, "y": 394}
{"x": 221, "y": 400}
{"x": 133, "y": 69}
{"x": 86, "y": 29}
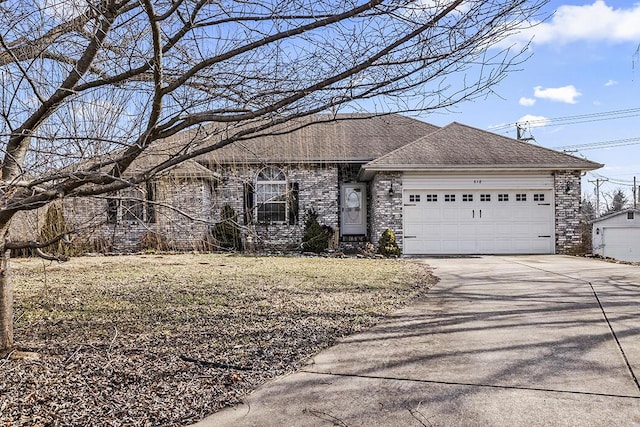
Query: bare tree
{"x": 88, "y": 86}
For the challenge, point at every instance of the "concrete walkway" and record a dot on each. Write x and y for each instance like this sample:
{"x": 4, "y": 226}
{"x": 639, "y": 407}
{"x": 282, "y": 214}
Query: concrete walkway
{"x": 500, "y": 341}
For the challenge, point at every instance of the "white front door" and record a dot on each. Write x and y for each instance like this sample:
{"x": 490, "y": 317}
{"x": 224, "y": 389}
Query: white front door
{"x": 353, "y": 209}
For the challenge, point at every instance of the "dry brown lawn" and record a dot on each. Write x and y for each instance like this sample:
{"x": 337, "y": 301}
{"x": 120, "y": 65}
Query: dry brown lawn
{"x": 168, "y": 339}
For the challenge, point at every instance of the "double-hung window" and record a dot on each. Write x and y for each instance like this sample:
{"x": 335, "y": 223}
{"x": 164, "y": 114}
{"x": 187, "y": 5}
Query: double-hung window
{"x": 271, "y": 195}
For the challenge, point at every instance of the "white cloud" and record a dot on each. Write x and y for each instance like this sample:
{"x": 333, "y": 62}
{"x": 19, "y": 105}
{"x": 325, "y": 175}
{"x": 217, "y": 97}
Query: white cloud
{"x": 611, "y": 83}
{"x": 533, "y": 121}
{"x": 567, "y": 94}
{"x": 596, "y": 22}
{"x": 527, "y": 102}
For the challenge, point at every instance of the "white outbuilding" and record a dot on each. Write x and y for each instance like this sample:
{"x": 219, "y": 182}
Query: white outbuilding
{"x": 617, "y": 235}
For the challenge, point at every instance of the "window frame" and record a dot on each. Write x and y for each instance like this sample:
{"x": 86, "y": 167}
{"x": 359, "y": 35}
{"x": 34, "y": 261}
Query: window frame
{"x": 264, "y": 207}
{"x": 131, "y": 205}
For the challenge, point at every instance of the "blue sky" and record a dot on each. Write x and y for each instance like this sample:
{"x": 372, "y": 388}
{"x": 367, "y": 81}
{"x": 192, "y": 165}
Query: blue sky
{"x": 585, "y": 62}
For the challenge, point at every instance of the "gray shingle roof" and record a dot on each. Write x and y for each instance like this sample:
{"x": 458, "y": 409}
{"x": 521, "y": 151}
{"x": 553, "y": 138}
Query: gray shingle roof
{"x": 458, "y": 146}
{"x": 612, "y": 214}
{"x": 350, "y": 138}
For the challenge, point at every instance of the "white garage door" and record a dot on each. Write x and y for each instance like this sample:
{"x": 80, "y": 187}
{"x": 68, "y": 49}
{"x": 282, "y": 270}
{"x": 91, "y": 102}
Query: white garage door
{"x": 622, "y": 243}
{"x": 504, "y": 221}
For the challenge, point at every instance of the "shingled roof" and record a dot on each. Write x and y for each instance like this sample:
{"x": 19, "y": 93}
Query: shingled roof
{"x": 457, "y": 146}
{"x": 352, "y": 138}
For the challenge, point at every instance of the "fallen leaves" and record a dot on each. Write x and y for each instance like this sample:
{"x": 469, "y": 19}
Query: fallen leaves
{"x": 167, "y": 340}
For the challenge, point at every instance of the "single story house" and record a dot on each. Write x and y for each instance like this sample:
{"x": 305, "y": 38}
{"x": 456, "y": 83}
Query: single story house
{"x": 617, "y": 235}
{"x": 442, "y": 190}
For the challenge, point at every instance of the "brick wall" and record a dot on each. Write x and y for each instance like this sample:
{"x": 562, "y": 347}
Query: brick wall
{"x": 182, "y": 228}
{"x": 317, "y": 190}
{"x": 567, "y": 208}
{"x": 386, "y": 210}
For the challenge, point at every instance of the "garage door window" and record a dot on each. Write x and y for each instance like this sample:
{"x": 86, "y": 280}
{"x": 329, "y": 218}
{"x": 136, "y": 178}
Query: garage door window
{"x": 414, "y": 197}
{"x": 521, "y": 197}
{"x": 449, "y": 197}
{"x": 485, "y": 197}
{"x": 467, "y": 197}
{"x": 503, "y": 197}
{"x": 538, "y": 197}
{"x": 432, "y": 197}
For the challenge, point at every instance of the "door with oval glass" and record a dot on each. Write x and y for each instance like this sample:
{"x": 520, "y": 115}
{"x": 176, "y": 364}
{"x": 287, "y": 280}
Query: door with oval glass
{"x": 353, "y": 209}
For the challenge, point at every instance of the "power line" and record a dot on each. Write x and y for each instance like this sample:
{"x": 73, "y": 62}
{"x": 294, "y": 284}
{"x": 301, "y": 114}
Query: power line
{"x": 612, "y": 180}
{"x": 582, "y": 118}
{"x": 601, "y": 144}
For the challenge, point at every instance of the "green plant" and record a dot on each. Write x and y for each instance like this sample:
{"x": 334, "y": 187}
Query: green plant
{"x": 226, "y": 233}
{"x": 315, "y": 237}
{"x": 387, "y": 244}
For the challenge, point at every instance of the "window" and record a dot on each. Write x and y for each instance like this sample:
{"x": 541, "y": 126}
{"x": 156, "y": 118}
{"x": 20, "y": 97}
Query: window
{"x": 467, "y": 197}
{"x": 271, "y": 195}
{"x": 521, "y": 197}
{"x": 449, "y": 197}
{"x": 414, "y": 197}
{"x": 630, "y": 215}
{"x": 504, "y": 197}
{"x": 112, "y": 210}
{"x": 432, "y": 197}
{"x": 485, "y": 197}
{"x": 132, "y": 204}
{"x": 538, "y": 197}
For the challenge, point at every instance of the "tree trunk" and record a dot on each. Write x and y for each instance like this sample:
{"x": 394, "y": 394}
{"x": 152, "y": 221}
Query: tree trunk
{"x": 6, "y": 303}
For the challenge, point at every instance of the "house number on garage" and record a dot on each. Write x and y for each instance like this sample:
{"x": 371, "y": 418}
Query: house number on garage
{"x": 477, "y": 181}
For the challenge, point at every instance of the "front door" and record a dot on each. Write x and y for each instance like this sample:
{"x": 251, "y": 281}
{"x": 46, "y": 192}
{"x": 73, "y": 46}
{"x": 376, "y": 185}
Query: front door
{"x": 354, "y": 209}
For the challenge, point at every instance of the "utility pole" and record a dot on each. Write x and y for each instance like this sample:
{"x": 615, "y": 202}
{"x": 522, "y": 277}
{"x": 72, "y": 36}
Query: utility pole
{"x": 634, "y": 192}
{"x": 599, "y": 182}
{"x": 520, "y": 132}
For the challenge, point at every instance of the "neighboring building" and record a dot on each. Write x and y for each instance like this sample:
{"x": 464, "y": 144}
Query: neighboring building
{"x": 449, "y": 190}
{"x": 617, "y": 235}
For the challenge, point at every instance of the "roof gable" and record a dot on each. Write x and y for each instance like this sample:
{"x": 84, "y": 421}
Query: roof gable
{"x": 458, "y": 146}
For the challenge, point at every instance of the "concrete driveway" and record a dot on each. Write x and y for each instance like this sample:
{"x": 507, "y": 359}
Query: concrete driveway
{"x": 499, "y": 341}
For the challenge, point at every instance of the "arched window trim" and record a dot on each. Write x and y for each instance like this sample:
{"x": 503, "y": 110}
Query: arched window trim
{"x": 271, "y": 196}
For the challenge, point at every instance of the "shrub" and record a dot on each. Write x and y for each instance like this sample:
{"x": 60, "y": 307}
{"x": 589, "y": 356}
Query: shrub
{"x": 54, "y": 226}
{"x": 152, "y": 241}
{"x": 387, "y": 244}
{"x": 226, "y": 233}
{"x": 315, "y": 237}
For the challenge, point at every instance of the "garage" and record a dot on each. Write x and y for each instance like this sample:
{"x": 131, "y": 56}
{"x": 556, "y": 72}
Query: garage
{"x": 502, "y": 215}
{"x": 462, "y": 190}
{"x": 617, "y": 235}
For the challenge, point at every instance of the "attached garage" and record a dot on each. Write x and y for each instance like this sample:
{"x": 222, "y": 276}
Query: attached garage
{"x": 468, "y": 191}
{"x": 508, "y": 214}
{"x": 618, "y": 235}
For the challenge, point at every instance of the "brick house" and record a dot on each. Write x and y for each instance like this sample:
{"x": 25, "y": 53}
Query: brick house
{"x": 449, "y": 190}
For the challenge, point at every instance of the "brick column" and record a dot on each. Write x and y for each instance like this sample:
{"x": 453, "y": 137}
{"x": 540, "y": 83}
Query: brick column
{"x": 386, "y": 209}
{"x": 567, "y": 210}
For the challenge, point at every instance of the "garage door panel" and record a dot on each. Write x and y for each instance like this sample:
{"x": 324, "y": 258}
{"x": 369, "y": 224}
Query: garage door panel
{"x": 620, "y": 243}
{"x": 478, "y": 224}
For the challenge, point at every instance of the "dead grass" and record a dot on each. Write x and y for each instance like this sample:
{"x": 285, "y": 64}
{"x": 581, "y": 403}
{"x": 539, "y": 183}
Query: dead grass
{"x": 117, "y": 336}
